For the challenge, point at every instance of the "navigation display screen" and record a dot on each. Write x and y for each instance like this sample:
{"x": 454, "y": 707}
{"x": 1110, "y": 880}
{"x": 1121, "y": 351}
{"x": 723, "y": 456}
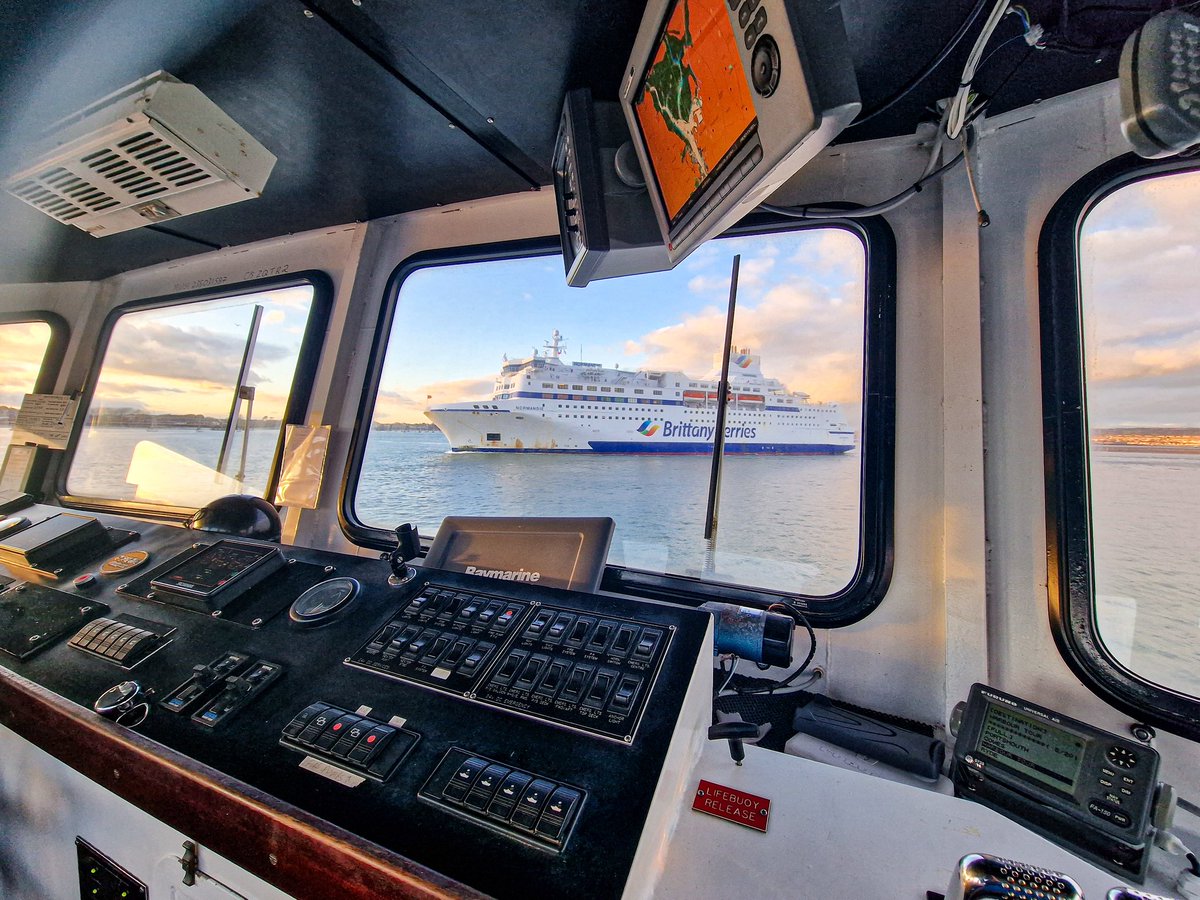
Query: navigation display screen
{"x": 1050, "y": 755}
{"x": 212, "y": 569}
{"x": 693, "y": 106}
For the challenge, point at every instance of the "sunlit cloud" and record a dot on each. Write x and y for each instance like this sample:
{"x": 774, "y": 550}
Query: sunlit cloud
{"x": 1139, "y": 253}
{"x": 808, "y": 338}
{"x": 410, "y": 405}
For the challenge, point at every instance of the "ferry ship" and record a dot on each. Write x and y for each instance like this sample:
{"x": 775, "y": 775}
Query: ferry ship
{"x": 543, "y": 404}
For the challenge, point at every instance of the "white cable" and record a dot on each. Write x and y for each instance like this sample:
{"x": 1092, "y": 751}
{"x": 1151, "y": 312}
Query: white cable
{"x": 961, "y": 102}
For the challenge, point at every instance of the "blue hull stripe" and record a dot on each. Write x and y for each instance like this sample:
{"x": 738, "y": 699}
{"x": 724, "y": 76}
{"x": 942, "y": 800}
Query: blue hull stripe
{"x": 679, "y": 448}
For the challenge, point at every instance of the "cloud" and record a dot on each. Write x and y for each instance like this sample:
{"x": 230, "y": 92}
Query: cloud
{"x": 187, "y": 354}
{"x": 409, "y": 406}
{"x": 1139, "y": 252}
{"x": 808, "y": 337}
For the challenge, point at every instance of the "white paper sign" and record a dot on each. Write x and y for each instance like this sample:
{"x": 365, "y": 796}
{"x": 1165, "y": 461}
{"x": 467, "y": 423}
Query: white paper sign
{"x": 45, "y": 419}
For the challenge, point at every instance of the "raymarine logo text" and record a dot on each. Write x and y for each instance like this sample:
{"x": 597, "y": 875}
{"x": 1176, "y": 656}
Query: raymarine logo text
{"x": 505, "y": 574}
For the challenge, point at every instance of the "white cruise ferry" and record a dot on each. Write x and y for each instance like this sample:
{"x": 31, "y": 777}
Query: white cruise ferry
{"x": 543, "y": 404}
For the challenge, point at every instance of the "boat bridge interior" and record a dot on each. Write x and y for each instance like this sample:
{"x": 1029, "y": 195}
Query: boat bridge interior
{"x": 299, "y": 598}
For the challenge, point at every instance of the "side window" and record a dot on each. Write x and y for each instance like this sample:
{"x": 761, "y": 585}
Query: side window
{"x": 24, "y": 347}
{"x": 1123, "y": 377}
{"x": 503, "y": 392}
{"x": 190, "y": 398}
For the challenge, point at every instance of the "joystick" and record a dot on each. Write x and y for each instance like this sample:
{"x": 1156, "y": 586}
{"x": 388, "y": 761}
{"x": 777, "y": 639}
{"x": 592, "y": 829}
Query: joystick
{"x": 408, "y": 546}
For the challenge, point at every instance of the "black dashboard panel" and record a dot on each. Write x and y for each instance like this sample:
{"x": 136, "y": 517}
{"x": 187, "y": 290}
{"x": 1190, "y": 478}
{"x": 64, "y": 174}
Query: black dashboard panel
{"x": 596, "y": 762}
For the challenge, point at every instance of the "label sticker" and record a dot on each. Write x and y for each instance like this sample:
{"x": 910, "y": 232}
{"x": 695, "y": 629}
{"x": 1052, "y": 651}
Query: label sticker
{"x": 333, "y": 773}
{"x": 398, "y": 721}
{"x": 363, "y": 711}
{"x": 732, "y": 805}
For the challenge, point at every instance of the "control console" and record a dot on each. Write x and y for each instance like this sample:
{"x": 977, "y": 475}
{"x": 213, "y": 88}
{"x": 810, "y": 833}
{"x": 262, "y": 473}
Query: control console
{"x": 502, "y": 734}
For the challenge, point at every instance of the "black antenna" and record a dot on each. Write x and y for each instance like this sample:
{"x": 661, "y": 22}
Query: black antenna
{"x": 718, "y": 451}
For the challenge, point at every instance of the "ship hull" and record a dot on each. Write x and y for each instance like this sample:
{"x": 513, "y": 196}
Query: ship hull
{"x": 529, "y": 431}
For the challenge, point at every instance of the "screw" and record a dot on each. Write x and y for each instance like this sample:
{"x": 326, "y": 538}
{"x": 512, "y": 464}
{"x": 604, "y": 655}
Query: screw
{"x": 452, "y": 126}
{"x": 122, "y": 587}
{"x": 256, "y": 622}
{"x": 308, "y": 14}
{"x": 151, "y": 595}
{"x": 491, "y": 120}
{"x": 34, "y": 638}
{"x": 291, "y": 562}
{"x": 328, "y": 569}
{"x": 271, "y": 857}
{"x": 216, "y": 614}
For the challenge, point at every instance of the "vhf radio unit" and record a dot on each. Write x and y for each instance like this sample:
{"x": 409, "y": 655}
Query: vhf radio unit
{"x": 1065, "y": 779}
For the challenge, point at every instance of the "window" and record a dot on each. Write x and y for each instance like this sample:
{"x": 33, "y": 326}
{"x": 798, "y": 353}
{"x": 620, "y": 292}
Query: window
{"x": 32, "y": 351}
{"x": 190, "y": 397}
{"x": 805, "y": 506}
{"x": 1121, "y": 349}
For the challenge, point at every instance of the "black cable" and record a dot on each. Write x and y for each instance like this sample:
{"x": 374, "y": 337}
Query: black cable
{"x": 823, "y": 211}
{"x": 927, "y": 69}
{"x": 979, "y": 68}
{"x": 1195, "y": 864}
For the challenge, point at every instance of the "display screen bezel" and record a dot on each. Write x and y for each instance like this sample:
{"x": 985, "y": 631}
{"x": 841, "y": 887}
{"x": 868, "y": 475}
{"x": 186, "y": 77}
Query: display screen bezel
{"x": 199, "y": 589}
{"x": 718, "y": 172}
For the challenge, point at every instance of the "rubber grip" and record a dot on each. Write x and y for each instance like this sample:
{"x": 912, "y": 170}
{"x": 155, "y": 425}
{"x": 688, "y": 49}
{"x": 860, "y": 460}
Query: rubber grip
{"x": 900, "y": 747}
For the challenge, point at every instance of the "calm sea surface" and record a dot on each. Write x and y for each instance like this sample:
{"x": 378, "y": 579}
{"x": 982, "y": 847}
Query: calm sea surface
{"x": 786, "y": 523}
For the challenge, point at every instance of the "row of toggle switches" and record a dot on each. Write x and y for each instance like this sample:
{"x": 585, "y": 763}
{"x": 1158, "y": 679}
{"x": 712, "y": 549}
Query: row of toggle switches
{"x": 618, "y": 639}
{"x": 356, "y": 742}
{"x": 518, "y": 803}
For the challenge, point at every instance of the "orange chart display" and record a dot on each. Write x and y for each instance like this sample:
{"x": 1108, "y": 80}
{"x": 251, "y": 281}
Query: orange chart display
{"x": 694, "y": 104}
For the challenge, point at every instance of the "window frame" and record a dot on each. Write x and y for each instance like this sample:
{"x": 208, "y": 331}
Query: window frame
{"x": 307, "y": 359}
{"x": 56, "y": 346}
{"x": 1067, "y": 464}
{"x": 872, "y": 576}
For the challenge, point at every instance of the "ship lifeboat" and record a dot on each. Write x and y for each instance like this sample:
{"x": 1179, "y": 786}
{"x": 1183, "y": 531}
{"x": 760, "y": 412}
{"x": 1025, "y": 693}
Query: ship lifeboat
{"x": 750, "y": 398}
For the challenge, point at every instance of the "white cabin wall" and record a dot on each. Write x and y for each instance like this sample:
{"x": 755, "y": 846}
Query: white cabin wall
{"x": 916, "y": 654}
{"x": 1027, "y": 159}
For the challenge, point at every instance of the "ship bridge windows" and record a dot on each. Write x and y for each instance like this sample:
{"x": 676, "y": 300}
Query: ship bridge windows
{"x": 803, "y": 513}
{"x": 1120, "y": 354}
{"x": 190, "y": 395}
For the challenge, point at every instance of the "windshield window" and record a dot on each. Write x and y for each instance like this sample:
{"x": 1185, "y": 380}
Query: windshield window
{"x": 1139, "y": 251}
{"x": 190, "y": 400}
{"x": 504, "y": 392}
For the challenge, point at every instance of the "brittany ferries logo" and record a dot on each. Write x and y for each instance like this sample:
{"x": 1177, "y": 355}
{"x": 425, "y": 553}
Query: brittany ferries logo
{"x": 648, "y": 429}
{"x": 742, "y": 361}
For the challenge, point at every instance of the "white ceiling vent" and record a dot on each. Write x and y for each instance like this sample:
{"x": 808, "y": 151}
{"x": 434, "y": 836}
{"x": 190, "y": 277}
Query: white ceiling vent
{"x": 152, "y": 151}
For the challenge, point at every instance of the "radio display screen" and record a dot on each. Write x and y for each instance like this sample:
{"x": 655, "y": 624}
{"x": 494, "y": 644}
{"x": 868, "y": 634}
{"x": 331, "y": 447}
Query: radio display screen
{"x": 1048, "y": 754}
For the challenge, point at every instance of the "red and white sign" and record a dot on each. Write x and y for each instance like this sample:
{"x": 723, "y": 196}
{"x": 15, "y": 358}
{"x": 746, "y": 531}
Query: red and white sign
{"x": 733, "y": 805}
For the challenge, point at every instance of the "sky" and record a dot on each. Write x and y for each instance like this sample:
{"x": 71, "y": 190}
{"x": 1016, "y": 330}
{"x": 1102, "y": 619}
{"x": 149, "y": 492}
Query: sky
{"x": 22, "y": 346}
{"x": 1140, "y": 286}
{"x": 799, "y": 306}
{"x": 185, "y": 360}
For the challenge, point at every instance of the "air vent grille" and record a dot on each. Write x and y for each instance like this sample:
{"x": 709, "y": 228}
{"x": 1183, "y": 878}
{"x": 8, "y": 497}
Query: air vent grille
{"x": 153, "y": 150}
{"x": 121, "y": 173}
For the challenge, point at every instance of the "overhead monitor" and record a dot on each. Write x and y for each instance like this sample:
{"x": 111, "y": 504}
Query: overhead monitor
{"x": 725, "y": 101}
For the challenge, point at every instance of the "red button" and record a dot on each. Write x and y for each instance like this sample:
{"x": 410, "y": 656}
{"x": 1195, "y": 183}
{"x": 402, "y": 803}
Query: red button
{"x": 337, "y": 726}
{"x": 370, "y": 738}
